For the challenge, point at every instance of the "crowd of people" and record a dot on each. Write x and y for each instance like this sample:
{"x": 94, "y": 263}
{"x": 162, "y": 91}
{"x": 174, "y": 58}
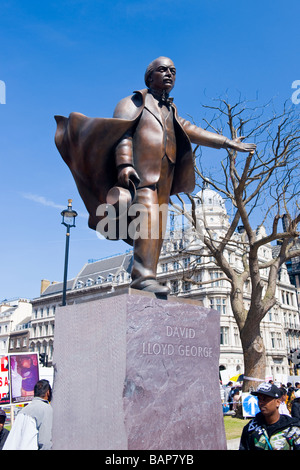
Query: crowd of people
{"x": 230, "y": 396}
{"x": 277, "y": 425}
{"x": 290, "y": 397}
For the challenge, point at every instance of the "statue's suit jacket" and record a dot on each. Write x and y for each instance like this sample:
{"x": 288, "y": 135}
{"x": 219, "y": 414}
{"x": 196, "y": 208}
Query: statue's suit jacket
{"x": 144, "y": 147}
{"x": 88, "y": 146}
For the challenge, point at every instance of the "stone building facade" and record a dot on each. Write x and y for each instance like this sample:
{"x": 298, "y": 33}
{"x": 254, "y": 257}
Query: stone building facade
{"x": 15, "y": 317}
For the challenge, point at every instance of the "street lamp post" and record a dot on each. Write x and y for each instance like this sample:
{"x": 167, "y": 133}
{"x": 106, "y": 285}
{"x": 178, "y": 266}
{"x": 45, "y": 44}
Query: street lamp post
{"x": 68, "y": 220}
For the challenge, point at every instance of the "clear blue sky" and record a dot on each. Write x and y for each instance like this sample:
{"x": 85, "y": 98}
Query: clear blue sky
{"x": 84, "y": 55}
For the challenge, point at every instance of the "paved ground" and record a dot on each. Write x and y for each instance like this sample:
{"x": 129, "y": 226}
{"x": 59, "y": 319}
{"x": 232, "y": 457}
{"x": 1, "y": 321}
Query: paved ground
{"x": 233, "y": 444}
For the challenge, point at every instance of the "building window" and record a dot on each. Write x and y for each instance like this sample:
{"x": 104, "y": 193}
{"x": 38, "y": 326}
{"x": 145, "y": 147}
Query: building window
{"x": 164, "y": 267}
{"x": 236, "y": 336}
{"x": 186, "y": 286}
{"x": 215, "y": 275}
{"x": 198, "y": 277}
{"x": 219, "y": 304}
{"x": 224, "y": 335}
{"x": 270, "y": 315}
{"x": 176, "y": 265}
{"x": 174, "y": 286}
{"x": 279, "y": 341}
{"x": 273, "y": 340}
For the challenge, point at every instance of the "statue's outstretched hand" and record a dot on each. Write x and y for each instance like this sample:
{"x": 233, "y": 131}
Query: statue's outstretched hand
{"x": 239, "y": 146}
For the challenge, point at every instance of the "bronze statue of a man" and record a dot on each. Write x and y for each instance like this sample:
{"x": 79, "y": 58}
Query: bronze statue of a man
{"x": 145, "y": 142}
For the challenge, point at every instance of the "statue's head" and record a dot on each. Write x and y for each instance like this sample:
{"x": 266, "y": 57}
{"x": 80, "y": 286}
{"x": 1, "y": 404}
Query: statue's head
{"x": 160, "y": 74}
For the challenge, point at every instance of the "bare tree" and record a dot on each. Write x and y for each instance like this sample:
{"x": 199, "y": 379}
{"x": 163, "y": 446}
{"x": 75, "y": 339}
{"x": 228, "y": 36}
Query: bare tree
{"x": 262, "y": 188}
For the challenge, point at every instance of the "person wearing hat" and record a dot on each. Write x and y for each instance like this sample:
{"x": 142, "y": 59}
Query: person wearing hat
{"x": 296, "y": 405}
{"x": 270, "y": 430}
{"x": 3, "y": 432}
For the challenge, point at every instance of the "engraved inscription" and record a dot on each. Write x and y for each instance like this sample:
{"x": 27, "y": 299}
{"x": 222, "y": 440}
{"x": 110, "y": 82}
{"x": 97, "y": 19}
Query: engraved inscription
{"x": 181, "y": 332}
{"x": 158, "y": 349}
{"x": 169, "y": 349}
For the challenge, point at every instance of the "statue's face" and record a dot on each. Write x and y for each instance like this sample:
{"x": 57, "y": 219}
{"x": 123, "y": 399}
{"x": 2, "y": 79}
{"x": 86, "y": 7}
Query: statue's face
{"x": 163, "y": 75}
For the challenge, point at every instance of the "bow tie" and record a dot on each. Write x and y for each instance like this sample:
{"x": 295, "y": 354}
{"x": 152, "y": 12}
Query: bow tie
{"x": 166, "y": 100}
{"x": 162, "y": 98}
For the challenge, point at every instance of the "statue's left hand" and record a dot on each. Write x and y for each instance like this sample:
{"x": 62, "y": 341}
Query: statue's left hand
{"x": 239, "y": 146}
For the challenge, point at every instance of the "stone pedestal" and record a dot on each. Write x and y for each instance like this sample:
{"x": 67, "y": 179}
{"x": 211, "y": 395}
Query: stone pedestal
{"x": 135, "y": 372}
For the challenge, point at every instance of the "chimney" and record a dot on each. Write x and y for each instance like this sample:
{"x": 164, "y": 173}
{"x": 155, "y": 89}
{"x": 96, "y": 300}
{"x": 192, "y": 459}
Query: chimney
{"x": 44, "y": 284}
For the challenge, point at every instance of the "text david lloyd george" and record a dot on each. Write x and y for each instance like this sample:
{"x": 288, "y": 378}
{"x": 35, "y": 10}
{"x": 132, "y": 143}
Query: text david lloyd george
{"x": 182, "y": 349}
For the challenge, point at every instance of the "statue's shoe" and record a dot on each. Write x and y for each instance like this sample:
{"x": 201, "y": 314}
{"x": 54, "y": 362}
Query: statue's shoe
{"x": 151, "y": 285}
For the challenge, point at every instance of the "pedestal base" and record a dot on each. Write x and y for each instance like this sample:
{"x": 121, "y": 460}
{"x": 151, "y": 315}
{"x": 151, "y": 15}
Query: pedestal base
{"x": 134, "y": 371}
